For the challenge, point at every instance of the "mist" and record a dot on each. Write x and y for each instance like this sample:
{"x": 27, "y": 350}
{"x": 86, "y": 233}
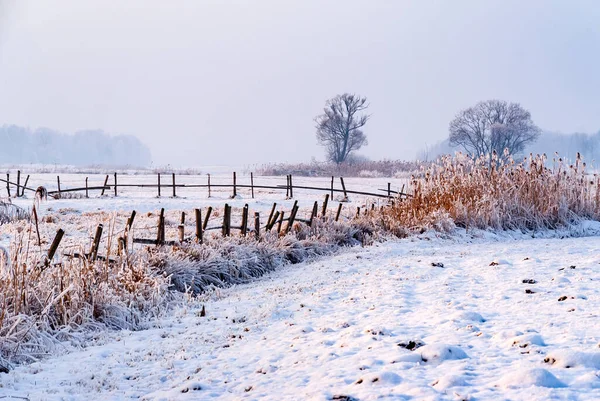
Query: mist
{"x": 240, "y": 82}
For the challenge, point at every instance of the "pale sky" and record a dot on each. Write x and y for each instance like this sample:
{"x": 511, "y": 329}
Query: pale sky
{"x": 240, "y": 82}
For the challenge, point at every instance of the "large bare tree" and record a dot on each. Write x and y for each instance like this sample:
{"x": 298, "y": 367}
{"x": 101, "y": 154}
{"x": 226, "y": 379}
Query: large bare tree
{"x": 339, "y": 127}
{"x": 493, "y": 125}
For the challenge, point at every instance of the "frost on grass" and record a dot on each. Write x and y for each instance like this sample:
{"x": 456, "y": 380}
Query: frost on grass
{"x": 233, "y": 260}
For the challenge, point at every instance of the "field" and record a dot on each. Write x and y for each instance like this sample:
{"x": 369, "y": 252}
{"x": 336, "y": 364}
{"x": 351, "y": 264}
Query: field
{"x": 453, "y": 311}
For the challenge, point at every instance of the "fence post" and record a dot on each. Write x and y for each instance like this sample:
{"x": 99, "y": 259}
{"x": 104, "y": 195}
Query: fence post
{"x": 58, "y": 183}
{"x": 234, "y": 186}
{"x": 208, "y": 212}
{"x": 54, "y": 246}
{"x": 280, "y": 222}
{"x": 8, "y": 184}
{"x": 252, "y": 184}
{"x": 105, "y": 183}
{"x": 18, "y": 183}
{"x": 174, "y": 193}
{"x": 389, "y": 189}
{"x": 87, "y": 195}
{"x": 128, "y": 229}
{"x": 339, "y": 210}
{"x": 198, "y": 214}
{"x": 115, "y": 184}
{"x": 272, "y": 222}
{"x": 314, "y": 213}
{"x": 244, "y": 225}
{"x": 332, "y": 177}
{"x": 344, "y": 189}
{"x": 226, "y": 220}
{"x": 292, "y": 217}
{"x": 271, "y": 215}
{"x": 324, "y": 210}
{"x": 96, "y": 244}
{"x": 25, "y": 186}
{"x": 257, "y": 225}
{"x": 158, "y": 174}
{"x": 160, "y": 238}
{"x": 287, "y": 186}
{"x": 291, "y": 187}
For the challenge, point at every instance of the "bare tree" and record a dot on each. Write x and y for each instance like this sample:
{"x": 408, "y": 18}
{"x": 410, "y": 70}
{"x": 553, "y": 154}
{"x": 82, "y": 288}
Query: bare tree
{"x": 339, "y": 127}
{"x": 493, "y": 125}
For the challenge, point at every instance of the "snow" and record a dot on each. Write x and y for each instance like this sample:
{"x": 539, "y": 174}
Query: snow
{"x": 339, "y": 328}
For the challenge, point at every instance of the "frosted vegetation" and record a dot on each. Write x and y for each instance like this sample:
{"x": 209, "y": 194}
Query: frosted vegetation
{"x": 45, "y": 304}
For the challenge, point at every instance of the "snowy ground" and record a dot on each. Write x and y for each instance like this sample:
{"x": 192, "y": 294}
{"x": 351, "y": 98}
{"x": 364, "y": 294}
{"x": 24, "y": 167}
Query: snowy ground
{"x": 339, "y": 327}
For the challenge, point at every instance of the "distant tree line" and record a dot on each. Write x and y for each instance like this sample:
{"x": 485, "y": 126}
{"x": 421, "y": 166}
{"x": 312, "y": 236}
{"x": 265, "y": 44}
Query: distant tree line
{"x": 21, "y": 145}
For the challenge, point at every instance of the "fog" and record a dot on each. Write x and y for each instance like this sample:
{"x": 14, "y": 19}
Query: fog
{"x": 240, "y": 82}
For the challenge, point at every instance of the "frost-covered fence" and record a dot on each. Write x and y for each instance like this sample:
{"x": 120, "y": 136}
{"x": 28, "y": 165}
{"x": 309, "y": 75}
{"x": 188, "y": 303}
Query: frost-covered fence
{"x": 117, "y": 184}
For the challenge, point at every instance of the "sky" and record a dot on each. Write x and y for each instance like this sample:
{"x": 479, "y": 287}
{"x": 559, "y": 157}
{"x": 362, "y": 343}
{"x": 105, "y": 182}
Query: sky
{"x": 240, "y": 82}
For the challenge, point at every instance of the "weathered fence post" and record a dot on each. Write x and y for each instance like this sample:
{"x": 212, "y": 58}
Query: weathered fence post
{"x": 226, "y": 220}
{"x": 158, "y": 175}
{"x": 96, "y": 244}
{"x": 174, "y": 193}
{"x": 115, "y": 184}
{"x": 18, "y": 183}
{"x": 252, "y": 184}
{"x": 257, "y": 225}
{"x": 314, "y": 213}
{"x": 208, "y": 212}
{"x": 339, "y": 210}
{"x": 198, "y": 214}
{"x": 208, "y": 185}
{"x": 25, "y": 186}
{"x": 344, "y": 189}
{"x": 160, "y": 238}
{"x": 389, "y": 189}
{"x": 8, "y": 184}
{"x": 324, "y": 210}
{"x": 244, "y": 225}
{"x": 291, "y": 187}
{"x": 58, "y": 183}
{"x": 272, "y": 222}
{"x": 280, "y": 222}
{"x": 270, "y": 219}
{"x": 234, "y": 186}
{"x": 105, "y": 183}
{"x": 292, "y": 217}
{"x": 87, "y": 195}
{"x": 128, "y": 229}
{"x": 54, "y": 246}
{"x": 287, "y": 186}
{"x": 182, "y": 221}
{"x": 332, "y": 177}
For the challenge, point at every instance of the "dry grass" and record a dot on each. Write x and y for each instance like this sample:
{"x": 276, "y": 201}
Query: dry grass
{"x": 10, "y": 212}
{"x": 367, "y": 169}
{"x": 42, "y": 305}
{"x": 532, "y": 194}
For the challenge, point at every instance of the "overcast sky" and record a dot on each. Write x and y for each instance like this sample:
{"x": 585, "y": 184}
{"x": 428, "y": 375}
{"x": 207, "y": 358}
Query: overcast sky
{"x": 240, "y": 82}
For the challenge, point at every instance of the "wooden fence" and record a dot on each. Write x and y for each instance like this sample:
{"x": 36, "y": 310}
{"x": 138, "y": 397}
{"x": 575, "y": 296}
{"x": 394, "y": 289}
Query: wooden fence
{"x": 113, "y": 185}
{"x": 276, "y": 222}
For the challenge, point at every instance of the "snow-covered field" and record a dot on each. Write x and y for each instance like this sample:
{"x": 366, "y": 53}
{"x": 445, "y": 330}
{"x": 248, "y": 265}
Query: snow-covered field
{"x": 425, "y": 318}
